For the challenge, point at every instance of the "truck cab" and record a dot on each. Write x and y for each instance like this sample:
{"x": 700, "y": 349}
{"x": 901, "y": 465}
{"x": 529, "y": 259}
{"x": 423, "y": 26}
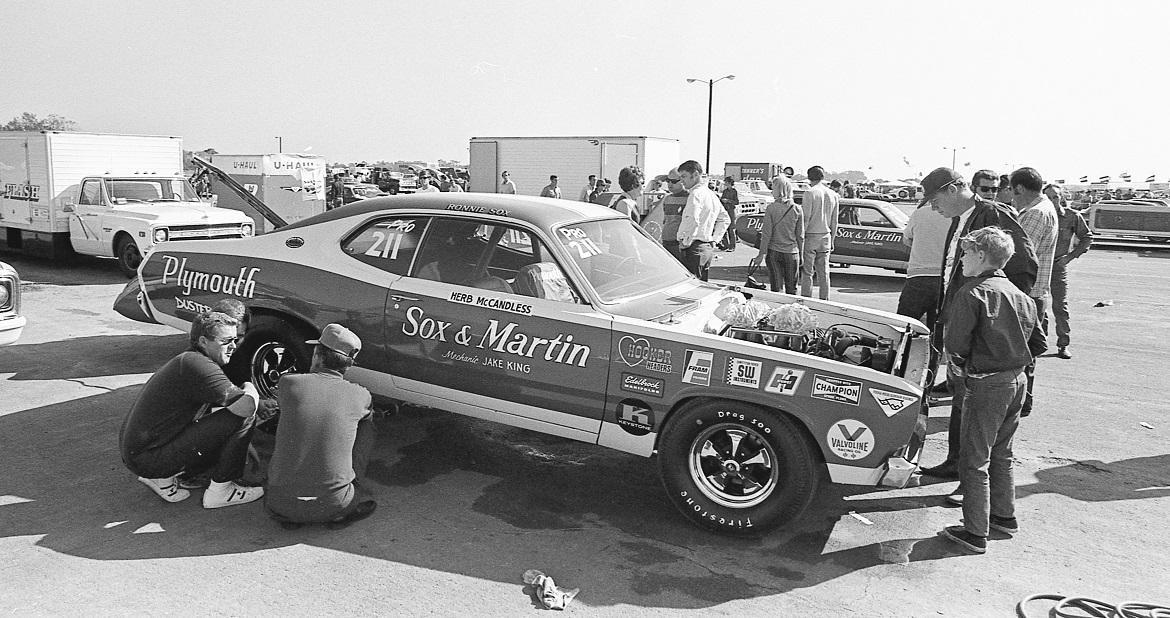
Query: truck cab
{"x": 125, "y": 216}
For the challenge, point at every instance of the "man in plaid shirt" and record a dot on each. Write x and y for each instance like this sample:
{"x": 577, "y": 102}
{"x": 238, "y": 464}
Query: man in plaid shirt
{"x": 1037, "y": 216}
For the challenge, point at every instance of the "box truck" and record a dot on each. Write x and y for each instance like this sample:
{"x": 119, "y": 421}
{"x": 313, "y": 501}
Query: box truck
{"x": 752, "y": 171}
{"x": 292, "y": 185}
{"x": 531, "y": 160}
{"x": 102, "y": 194}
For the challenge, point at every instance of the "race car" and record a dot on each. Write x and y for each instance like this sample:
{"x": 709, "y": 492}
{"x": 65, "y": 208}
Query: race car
{"x": 869, "y": 233}
{"x": 567, "y": 318}
{"x": 11, "y": 321}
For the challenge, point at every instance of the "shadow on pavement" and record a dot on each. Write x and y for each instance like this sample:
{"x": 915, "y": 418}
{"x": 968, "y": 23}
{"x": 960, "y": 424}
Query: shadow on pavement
{"x": 1128, "y": 479}
{"x": 90, "y": 357}
{"x": 76, "y": 270}
{"x": 456, "y": 495}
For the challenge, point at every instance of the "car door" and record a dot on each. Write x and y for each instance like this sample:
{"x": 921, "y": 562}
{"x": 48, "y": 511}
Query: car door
{"x": 865, "y": 233}
{"x": 474, "y": 330}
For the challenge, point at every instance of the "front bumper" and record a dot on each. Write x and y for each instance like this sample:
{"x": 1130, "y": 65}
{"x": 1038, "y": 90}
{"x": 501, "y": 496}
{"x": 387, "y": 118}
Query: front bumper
{"x": 10, "y": 329}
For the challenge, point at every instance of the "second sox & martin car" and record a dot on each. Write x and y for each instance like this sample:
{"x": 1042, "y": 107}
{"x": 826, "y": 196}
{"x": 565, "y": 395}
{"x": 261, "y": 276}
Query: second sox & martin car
{"x": 567, "y": 318}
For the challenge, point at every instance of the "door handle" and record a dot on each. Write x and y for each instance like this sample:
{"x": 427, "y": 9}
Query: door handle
{"x": 398, "y": 299}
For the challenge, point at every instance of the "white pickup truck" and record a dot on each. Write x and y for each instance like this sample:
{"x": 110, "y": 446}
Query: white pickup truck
{"x": 104, "y": 195}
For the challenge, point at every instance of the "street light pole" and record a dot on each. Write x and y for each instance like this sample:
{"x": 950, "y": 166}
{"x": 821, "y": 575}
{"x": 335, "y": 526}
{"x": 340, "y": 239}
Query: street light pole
{"x": 710, "y": 109}
{"x": 954, "y": 153}
{"x": 279, "y": 144}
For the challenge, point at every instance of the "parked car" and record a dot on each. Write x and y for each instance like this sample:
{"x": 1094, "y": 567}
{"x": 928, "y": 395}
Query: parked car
{"x": 869, "y": 233}
{"x": 749, "y": 202}
{"x": 567, "y": 318}
{"x": 11, "y": 322}
{"x": 355, "y": 192}
{"x": 1148, "y": 218}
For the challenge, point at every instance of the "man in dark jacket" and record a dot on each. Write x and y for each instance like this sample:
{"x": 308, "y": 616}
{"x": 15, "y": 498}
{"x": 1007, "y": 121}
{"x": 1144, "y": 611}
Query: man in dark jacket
{"x": 950, "y": 195}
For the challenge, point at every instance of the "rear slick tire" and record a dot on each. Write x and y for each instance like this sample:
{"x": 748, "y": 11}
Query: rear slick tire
{"x": 737, "y": 469}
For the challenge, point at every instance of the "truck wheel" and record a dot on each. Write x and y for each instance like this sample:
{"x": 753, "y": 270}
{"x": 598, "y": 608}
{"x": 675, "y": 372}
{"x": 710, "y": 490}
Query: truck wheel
{"x": 128, "y": 256}
{"x": 271, "y": 348}
{"x": 735, "y": 468}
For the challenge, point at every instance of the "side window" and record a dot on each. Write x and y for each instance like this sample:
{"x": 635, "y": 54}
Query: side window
{"x": 872, "y": 217}
{"x": 847, "y": 215}
{"x": 91, "y": 192}
{"x": 388, "y": 244}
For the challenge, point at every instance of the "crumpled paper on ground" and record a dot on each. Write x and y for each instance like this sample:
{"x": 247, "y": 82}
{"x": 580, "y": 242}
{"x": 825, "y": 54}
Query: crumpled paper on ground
{"x": 546, "y": 590}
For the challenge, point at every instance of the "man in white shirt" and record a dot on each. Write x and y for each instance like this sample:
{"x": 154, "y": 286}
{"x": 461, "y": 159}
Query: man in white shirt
{"x": 703, "y": 221}
{"x": 588, "y": 190}
{"x": 551, "y": 189}
{"x": 424, "y": 184}
{"x": 507, "y": 186}
{"x": 820, "y": 206}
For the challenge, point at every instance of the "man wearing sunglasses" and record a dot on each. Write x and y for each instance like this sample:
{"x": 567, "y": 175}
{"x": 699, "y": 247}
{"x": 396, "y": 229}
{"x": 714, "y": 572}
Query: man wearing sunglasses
{"x": 672, "y": 209}
{"x": 970, "y": 208}
{"x": 189, "y": 418}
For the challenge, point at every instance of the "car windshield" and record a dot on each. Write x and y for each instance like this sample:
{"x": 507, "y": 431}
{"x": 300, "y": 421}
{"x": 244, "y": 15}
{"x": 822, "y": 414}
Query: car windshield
{"x": 618, "y": 259}
{"x": 151, "y": 190}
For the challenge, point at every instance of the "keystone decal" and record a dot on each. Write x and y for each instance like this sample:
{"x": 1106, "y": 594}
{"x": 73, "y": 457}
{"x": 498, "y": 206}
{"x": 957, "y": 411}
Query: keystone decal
{"x": 634, "y": 417}
{"x": 836, "y": 389}
{"x": 742, "y": 372}
{"x": 243, "y": 285}
{"x": 634, "y": 352}
{"x": 892, "y": 403}
{"x": 641, "y": 384}
{"x": 698, "y": 368}
{"x": 784, "y": 381}
{"x": 850, "y": 439}
{"x": 505, "y": 340}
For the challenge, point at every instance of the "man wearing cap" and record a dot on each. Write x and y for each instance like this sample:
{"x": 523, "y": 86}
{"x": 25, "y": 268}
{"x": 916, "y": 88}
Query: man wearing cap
{"x": 820, "y": 206}
{"x": 730, "y": 200}
{"x": 703, "y": 221}
{"x": 324, "y": 440}
{"x": 950, "y": 196}
{"x": 551, "y": 189}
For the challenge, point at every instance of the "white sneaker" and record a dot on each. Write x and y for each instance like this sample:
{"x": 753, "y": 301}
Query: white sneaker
{"x": 219, "y": 495}
{"x": 167, "y": 489}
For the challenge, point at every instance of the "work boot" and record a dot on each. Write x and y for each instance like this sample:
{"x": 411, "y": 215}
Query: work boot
{"x": 947, "y": 470}
{"x": 1063, "y": 353}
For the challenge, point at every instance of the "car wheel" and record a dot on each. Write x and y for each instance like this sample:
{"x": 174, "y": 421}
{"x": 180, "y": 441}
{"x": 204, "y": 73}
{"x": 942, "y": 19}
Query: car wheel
{"x": 128, "y": 256}
{"x": 271, "y": 348}
{"x": 735, "y": 468}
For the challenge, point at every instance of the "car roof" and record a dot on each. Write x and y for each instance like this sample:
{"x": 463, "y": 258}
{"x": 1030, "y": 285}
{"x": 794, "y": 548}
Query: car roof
{"x": 545, "y": 213}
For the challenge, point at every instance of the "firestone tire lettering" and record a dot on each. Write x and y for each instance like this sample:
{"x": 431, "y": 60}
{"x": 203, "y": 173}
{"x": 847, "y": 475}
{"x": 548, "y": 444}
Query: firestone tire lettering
{"x": 736, "y": 468}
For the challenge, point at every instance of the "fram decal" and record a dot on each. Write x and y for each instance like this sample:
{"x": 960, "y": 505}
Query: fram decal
{"x": 742, "y": 372}
{"x": 850, "y": 439}
{"x": 642, "y": 384}
{"x": 635, "y": 417}
{"x": 890, "y": 402}
{"x": 831, "y": 388}
{"x": 505, "y": 340}
{"x": 491, "y": 302}
{"x": 635, "y": 352}
{"x": 698, "y": 368}
{"x": 784, "y": 381}
{"x": 243, "y": 285}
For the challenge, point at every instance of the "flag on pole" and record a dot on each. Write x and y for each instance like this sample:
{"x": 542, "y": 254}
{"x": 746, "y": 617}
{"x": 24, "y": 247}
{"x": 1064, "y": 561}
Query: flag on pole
{"x": 1150, "y": 178}
{"x": 1084, "y": 179}
{"x": 906, "y": 161}
{"x": 1103, "y": 179}
{"x": 1059, "y": 181}
{"x": 1125, "y": 176}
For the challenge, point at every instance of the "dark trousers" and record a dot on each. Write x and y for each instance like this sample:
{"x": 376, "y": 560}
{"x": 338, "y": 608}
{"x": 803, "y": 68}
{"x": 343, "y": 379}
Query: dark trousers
{"x": 217, "y": 443}
{"x": 729, "y": 235}
{"x": 919, "y": 299}
{"x": 1030, "y": 370}
{"x": 672, "y": 247}
{"x": 697, "y": 258}
{"x": 783, "y": 267}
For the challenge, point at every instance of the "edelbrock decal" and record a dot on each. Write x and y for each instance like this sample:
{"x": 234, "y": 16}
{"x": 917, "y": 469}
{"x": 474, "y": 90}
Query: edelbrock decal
{"x": 698, "y": 367}
{"x": 642, "y": 384}
{"x": 850, "y": 439}
{"x": 840, "y": 390}
{"x": 890, "y": 402}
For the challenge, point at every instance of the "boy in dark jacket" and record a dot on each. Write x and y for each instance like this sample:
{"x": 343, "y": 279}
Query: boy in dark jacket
{"x": 991, "y": 334}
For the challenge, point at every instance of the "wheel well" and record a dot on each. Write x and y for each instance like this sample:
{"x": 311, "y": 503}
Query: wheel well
{"x": 814, "y": 446}
{"x": 118, "y": 241}
{"x": 296, "y": 322}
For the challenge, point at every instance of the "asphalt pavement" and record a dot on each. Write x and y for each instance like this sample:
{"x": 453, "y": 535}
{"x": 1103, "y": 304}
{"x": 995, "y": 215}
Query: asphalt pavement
{"x": 467, "y": 506}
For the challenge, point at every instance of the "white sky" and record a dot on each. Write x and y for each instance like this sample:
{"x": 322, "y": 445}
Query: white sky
{"x": 1072, "y": 88}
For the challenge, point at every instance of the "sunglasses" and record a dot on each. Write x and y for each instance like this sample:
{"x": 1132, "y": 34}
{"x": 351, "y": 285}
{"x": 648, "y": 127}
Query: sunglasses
{"x": 986, "y": 189}
{"x": 673, "y": 180}
{"x": 228, "y": 341}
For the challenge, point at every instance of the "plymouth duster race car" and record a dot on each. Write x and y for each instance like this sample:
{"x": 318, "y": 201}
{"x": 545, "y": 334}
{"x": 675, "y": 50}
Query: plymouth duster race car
{"x": 869, "y": 233}
{"x": 567, "y": 318}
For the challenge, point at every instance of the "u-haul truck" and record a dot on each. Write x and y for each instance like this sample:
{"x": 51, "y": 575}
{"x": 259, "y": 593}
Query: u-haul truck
{"x": 102, "y": 194}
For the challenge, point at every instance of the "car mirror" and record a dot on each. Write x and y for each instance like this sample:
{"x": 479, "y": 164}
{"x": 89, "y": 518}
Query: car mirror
{"x": 67, "y": 204}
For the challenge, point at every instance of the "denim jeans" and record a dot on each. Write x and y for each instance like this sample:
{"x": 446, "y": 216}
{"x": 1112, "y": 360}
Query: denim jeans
{"x": 1059, "y": 289}
{"x": 782, "y": 268}
{"x": 816, "y": 258}
{"x": 217, "y": 442}
{"x": 697, "y": 258}
{"x": 991, "y": 414}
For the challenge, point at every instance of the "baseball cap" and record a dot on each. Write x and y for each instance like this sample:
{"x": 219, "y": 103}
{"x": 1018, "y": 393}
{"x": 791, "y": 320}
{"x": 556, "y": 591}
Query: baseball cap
{"x": 339, "y": 339}
{"x": 936, "y": 180}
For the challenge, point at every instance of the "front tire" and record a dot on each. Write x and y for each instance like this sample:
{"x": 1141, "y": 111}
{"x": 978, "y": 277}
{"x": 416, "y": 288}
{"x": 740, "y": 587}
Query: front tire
{"x": 271, "y": 348}
{"x": 129, "y": 257}
{"x": 735, "y": 468}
